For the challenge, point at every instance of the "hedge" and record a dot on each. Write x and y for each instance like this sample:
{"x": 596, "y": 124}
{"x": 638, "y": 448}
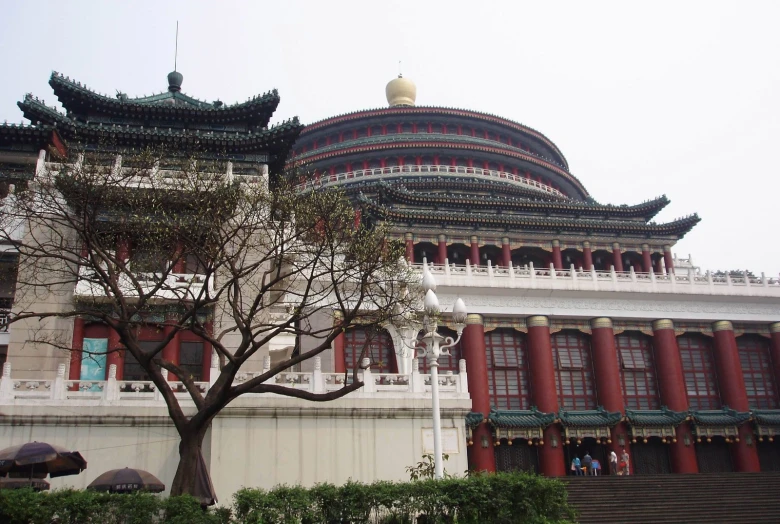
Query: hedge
{"x": 500, "y": 498}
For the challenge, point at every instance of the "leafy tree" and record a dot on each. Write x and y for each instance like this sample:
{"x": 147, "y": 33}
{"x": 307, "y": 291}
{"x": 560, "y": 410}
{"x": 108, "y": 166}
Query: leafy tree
{"x": 154, "y": 240}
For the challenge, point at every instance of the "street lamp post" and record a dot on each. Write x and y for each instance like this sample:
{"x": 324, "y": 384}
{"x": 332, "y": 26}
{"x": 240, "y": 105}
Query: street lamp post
{"x": 431, "y": 345}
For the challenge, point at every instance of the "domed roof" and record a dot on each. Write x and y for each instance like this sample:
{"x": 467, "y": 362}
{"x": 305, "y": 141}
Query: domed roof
{"x": 401, "y": 92}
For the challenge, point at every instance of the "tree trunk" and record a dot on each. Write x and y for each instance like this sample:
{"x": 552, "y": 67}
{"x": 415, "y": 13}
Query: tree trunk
{"x": 189, "y": 455}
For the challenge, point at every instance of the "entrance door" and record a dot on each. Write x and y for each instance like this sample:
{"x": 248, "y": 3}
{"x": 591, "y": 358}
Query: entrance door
{"x": 517, "y": 457}
{"x": 597, "y": 450}
{"x": 714, "y": 457}
{"x": 769, "y": 455}
{"x": 651, "y": 458}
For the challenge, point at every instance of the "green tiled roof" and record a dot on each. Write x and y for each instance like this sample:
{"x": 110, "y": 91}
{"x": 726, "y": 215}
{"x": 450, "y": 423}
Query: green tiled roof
{"x": 589, "y": 418}
{"x": 531, "y": 418}
{"x": 719, "y": 417}
{"x": 767, "y": 417}
{"x": 655, "y": 417}
{"x": 474, "y": 419}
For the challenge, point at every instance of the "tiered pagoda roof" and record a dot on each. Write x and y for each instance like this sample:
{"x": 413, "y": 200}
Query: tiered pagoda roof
{"x": 442, "y": 205}
{"x": 171, "y": 119}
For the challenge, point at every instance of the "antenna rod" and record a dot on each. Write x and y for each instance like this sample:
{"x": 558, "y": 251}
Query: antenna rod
{"x": 400, "y": 73}
{"x": 176, "y": 54}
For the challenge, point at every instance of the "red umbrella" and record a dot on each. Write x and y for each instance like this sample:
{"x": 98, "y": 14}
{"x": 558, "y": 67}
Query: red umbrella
{"x": 126, "y": 480}
{"x": 38, "y": 459}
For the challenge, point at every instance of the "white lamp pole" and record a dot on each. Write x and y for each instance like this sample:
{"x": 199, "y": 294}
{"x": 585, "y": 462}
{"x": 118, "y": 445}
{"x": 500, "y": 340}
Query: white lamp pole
{"x": 432, "y": 345}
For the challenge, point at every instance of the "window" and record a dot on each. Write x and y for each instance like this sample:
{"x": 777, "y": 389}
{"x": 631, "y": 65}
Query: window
{"x": 379, "y": 350}
{"x": 637, "y": 373}
{"x": 132, "y": 370}
{"x": 757, "y": 372}
{"x": 573, "y": 370}
{"x": 507, "y": 369}
{"x": 191, "y": 359}
{"x": 698, "y": 366}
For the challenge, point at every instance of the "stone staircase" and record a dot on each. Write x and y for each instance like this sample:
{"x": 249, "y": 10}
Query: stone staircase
{"x": 649, "y": 499}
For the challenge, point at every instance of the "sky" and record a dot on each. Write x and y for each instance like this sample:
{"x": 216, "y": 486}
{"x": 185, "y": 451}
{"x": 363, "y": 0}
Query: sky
{"x": 644, "y": 98}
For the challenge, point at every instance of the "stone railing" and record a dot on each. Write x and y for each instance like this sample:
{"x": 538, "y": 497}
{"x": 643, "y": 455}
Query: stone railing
{"x": 326, "y": 180}
{"x": 177, "y": 286}
{"x": 139, "y": 392}
{"x": 529, "y": 277}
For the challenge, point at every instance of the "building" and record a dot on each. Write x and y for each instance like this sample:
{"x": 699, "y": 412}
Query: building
{"x": 586, "y": 333}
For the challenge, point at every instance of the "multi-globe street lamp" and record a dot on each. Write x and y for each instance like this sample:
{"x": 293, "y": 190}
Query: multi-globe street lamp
{"x": 431, "y": 345}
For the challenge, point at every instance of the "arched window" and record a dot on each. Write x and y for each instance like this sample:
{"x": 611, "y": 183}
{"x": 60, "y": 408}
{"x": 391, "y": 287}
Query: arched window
{"x": 757, "y": 371}
{"x": 378, "y": 347}
{"x": 699, "y": 371}
{"x": 507, "y": 369}
{"x": 637, "y": 371}
{"x": 573, "y": 370}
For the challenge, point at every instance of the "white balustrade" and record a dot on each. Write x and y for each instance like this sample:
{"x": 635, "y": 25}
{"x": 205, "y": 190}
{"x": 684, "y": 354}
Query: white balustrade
{"x": 144, "y": 392}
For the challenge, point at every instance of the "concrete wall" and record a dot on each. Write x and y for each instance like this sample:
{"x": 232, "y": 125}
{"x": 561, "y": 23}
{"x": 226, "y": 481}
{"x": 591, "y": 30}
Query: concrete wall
{"x": 250, "y": 444}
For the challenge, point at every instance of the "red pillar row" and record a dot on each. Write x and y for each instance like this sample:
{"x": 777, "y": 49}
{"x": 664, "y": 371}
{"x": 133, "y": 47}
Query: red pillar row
{"x": 617, "y": 257}
{"x": 544, "y": 393}
{"x": 442, "y": 249}
{"x": 474, "y": 258}
{"x": 668, "y": 259}
{"x": 115, "y": 355}
{"x": 556, "y": 255}
{"x": 473, "y": 344}
{"x": 506, "y": 252}
{"x": 587, "y": 256}
{"x": 74, "y": 371}
{"x": 607, "y": 374}
{"x": 647, "y": 261}
{"x": 732, "y": 390}
{"x": 409, "y": 239}
{"x": 671, "y": 384}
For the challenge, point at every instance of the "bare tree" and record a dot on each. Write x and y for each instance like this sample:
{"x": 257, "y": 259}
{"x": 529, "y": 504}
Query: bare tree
{"x": 260, "y": 263}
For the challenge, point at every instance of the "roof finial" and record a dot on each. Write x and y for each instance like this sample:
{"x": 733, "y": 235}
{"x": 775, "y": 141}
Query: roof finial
{"x": 400, "y": 74}
{"x": 176, "y": 52}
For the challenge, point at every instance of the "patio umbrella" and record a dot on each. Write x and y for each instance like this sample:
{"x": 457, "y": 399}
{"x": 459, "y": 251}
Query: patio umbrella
{"x": 38, "y": 459}
{"x": 126, "y": 480}
{"x": 36, "y": 484}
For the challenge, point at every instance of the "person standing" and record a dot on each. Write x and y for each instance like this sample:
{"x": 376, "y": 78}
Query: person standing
{"x": 576, "y": 466}
{"x": 613, "y": 463}
{"x": 624, "y": 462}
{"x": 587, "y": 463}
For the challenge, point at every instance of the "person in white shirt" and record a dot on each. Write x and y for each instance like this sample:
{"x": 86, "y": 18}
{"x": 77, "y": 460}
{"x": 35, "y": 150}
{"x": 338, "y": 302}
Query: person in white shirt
{"x": 613, "y": 463}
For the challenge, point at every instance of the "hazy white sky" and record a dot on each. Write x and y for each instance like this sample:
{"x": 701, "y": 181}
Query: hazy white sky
{"x": 647, "y": 98}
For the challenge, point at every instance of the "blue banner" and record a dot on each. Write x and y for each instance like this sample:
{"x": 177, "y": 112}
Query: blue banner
{"x": 93, "y": 360}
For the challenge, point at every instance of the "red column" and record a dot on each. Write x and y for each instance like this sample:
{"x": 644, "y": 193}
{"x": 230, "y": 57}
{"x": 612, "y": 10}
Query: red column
{"x": 587, "y": 256}
{"x": 607, "y": 374}
{"x": 473, "y": 344}
{"x": 181, "y": 263}
{"x": 74, "y": 371}
{"x": 668, "y": 259}
{"x": 673, "y": 395}
{"x": 774, "y": 330}
{"x": 409, "y": 239}
{"x": 205, "y": 372}
{"x": 115, "y": 354}
{"x": 544, "y": 394}
{"x": 442, "y": 249}
{"x": 171, "y": 350}
{"x": 556, "y": 255}
{"x": 339, "y": 363}
{"x": 474, "y": 258}
{"x": 123, "y": 249}
{"x": 617, "y": 257}
{"x": 732, "y": 391}
{"x": 647, "y": 262}
{"x": 506, "y": 252}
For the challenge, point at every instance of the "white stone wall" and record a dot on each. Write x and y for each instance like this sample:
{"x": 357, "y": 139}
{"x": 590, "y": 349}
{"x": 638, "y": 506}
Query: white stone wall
{"x": 250, "y": 444}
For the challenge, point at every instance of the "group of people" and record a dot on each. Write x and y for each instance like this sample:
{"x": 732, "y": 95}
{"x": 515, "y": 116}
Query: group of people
{"x": 590, "y": 466}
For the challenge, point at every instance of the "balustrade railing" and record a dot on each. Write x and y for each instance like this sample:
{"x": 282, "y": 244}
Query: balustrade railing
{"x": 529, "y": 276}
{"x": 325, "y": 180}
{"x": 113, "y": 391}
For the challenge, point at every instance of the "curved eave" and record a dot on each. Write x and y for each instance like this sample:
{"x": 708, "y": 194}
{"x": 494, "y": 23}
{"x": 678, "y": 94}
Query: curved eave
{"x": 11, "y": 134}
{"x": 572, "y": 207}
{"x": 571, "y": 179}
{"x": 675, "y": 229}
{"x": 433, "y": 110}
{"x": 75, "y": 97}
{"x": 277, "y": 140}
